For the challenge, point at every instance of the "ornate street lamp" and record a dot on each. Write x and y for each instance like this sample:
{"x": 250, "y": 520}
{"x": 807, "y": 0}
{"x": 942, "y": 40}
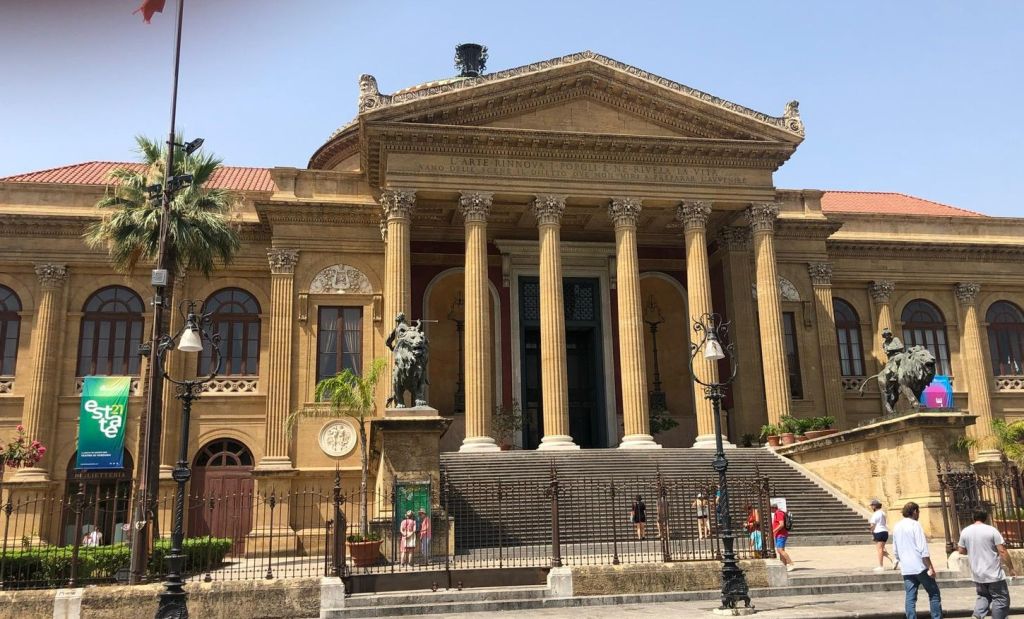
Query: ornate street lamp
{"x": 457, "y": 314}
{"x": 653, "y": 318}
{"x": 190, "y": 339}
{"x": 712, "y": 333}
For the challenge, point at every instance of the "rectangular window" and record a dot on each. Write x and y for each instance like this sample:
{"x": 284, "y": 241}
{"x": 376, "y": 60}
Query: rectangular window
{"x": 796, "y": 387}
{"x": 339, "y": 341}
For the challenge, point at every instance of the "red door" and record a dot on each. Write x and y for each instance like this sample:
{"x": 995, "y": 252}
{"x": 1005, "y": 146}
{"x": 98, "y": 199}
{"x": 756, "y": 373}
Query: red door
{"x": 222, "y": 493}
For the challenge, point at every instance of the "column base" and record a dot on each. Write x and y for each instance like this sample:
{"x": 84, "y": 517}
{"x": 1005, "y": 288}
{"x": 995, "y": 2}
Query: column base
{"x": 479, "y": 443}
{"x": 988, "y": 456}
{"x": 557, "y": 442}
{"x": 707, "y": 441}
{"x": 274, "y": 463}
{"x": 638, "y": 441}
{"x": 32, "y": 475}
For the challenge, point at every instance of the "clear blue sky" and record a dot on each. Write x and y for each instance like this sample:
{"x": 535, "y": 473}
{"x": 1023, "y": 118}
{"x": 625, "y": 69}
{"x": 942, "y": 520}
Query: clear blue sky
{"x": 921, "y": 97}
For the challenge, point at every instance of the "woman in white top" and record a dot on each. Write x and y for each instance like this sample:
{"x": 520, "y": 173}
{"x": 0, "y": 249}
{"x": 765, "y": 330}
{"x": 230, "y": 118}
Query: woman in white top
{"x": 879, "y": 532}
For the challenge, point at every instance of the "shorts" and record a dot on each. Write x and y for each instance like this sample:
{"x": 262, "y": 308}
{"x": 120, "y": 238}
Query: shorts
{"x": 881, "y": 537}
{"x": 780, "y": 541}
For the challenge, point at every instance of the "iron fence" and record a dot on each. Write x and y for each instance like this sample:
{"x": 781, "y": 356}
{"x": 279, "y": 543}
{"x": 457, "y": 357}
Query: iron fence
{"x": 238, "y": 534}
{"x": 963, "y": 490}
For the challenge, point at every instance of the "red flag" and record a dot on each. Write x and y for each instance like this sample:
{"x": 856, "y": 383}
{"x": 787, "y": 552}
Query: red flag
{"x": 148, "y": 7}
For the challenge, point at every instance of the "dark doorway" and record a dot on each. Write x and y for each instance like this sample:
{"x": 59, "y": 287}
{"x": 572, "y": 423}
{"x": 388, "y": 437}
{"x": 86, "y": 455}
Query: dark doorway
{"x": 583, "y": 362}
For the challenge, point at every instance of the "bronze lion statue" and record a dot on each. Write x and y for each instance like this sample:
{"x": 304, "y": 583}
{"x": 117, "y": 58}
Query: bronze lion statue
{"x": 906, "y": 374}
{"x": 409, "y": 346}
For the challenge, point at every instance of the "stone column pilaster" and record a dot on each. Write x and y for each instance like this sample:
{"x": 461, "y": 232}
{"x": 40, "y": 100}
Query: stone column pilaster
{"x": 279, "y": 367}
{"x": 397, "y": 206}
{"x": 769, "y": 313}
{"x": 554, "y": 382}
{"x": 881, "y": 291}
{"x": 821, "y": 280}
{"x": 40, "y": 416}
{"x": 635, "y": 411}
{"x": 973, "y": 363}
{"x": 476, "y": 207}
{"x": 694, "y": 216}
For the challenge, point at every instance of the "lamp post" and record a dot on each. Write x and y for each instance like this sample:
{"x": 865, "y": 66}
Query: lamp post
{"x": 653, "y": 318}
{"x": 457, "y": 315}
{"x": 190, "y": 339}
{"x": 712, "y": 333}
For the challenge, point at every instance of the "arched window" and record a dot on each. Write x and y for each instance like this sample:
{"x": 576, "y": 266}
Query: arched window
{"x": 10, "y": 326}
{"x": 851, "y": 351}
{"x": 236, "y": 317}
{"x": 1006, "y": 338}
{"x": 923, "y": 325}
{"x": 111, "y": 333}
{"x": 105, "y": 506}
{"x": 224, "y": 452}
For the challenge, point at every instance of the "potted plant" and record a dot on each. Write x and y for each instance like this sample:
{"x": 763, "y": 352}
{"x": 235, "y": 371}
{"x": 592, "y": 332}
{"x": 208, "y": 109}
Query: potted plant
{"x": 354, "y": 396}
{"x": 505, "y": 422}
{"x": 19, "y": 453}
{"x": 770, "y": 432}
{"x": 789, "y": 427}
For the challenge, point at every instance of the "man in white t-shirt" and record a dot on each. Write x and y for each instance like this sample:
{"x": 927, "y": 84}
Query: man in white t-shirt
{"x": 984, "y": 547}
{"x": 911, "y": 550}
{"x": 879, "y": 532}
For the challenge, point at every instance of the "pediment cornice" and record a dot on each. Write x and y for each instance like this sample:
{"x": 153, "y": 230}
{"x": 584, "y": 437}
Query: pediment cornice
{"x": 861, "y": 250}
{"x": 313, "y": 213}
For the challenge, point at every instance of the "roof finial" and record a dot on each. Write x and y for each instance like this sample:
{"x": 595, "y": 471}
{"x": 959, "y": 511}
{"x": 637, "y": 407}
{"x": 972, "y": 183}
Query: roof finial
{"x": 470, "y": 59}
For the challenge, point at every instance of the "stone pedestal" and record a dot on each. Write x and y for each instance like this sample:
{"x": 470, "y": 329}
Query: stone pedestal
{"x": 272, "y": 533}
{"x": 409, "y": 442}
{"x": 34, "y": 515}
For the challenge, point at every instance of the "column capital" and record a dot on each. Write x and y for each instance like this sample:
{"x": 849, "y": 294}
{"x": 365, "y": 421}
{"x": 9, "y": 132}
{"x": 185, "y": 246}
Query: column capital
{"x": 282, "y": 261}
{"x": 51, "y": 276}
{"x": 624, "y": 211}
{"x": 476, "y": 205}
{"x": 734, "y": 238}
{"x": 966, "y": 292}
{"x": 693, "y": 214}
{"x": 397, "y": 203}
{"x": 548, "y": 209}
{"x": 820, "y": 272}
{"x": 881, "y": 290}
{"x": 761, "y": 216}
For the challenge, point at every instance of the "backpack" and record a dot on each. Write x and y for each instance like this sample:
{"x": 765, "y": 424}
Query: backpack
{"x": 787, "y": 520}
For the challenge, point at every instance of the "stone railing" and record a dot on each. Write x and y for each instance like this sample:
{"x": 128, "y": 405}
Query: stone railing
{"x": 6, "y": 384}
{"x": 80, "y": 380}
{"x": 1003, "y": 383}
{"x": 232, "y": 385}
{"x": 852, "y": 383}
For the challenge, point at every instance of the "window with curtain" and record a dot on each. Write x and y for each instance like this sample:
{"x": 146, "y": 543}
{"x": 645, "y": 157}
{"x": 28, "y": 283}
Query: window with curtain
{"x": 236, "y": 317}
{"x": 923, "y": 325}
{"x": 10, "y": 327}
{"x": 111, "y": 333}
{"x": 851, "y": 350}
{"x": 1006, "y": 338}
{"x": 339, "y": 341}
{"x": 796, "y": 386}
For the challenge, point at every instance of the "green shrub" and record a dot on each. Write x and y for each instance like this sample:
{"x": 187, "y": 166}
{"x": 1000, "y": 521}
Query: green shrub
{"x": 770, "y": 429}
{"x": 822, "y": 423}
{"x": 790, "y": 424}
{"x": 201, "y": 554}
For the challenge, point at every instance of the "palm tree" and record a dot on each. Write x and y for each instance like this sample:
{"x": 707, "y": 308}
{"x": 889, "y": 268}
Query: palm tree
{"x": 354, "y": 396}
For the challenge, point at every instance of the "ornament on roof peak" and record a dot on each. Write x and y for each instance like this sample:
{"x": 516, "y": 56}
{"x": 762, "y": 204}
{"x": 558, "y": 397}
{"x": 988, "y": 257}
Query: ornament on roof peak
{"x": 470, "y": 59}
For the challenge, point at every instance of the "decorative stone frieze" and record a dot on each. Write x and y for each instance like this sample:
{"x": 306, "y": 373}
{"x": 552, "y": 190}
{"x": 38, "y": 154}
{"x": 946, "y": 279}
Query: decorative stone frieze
{"x": 624, "y": 211}
{"x": 476, "y": 205}
{"x": 232, "y": 385}
{"x": 282, "y": 261}
{"x": 966, "y": 292}
{"x": 820, "y": 272}
{"x": 881, "y": 290}
{"x": 694, "y": 213}
{"x": 734, "y": 238}
{"x": 549, "y": 209}
{"x": 6, "y": 384}
{"x": 340, "y": 279}
{"x": 397, "y": 203}
{"x": 761, "y": 216}
{"x": 51, "y": 276}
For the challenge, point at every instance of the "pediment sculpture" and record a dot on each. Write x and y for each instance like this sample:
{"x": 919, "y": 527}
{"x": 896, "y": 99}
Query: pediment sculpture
{"x": 340, "y": 279}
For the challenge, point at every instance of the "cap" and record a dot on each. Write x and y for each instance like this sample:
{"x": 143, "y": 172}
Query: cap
{"x": 875, "y": 502}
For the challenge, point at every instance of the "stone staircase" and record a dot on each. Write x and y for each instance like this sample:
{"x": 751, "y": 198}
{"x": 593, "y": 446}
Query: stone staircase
{"x": 524, "y": 511}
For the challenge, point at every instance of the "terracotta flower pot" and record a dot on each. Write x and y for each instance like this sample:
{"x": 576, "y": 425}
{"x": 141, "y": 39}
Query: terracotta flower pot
{"x": 788, "y": 438}
{"x": 774, "y": 440}
{"x": 801, "y": 438}
{"x": 813, "y": 434}
{"x": 365, "y": 554}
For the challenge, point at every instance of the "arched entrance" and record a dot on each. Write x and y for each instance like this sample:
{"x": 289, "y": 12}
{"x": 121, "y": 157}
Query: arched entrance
{"x": 222, "y": 488}
{"x": 106, "y": 497}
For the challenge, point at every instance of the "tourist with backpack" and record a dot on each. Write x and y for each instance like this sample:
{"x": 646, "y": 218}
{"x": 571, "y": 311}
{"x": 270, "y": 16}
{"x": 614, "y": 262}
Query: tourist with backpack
{"x": 782, "y": 522}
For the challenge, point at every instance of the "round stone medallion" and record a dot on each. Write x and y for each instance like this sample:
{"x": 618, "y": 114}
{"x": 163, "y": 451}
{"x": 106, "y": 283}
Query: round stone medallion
{"x": 338, "y": 438}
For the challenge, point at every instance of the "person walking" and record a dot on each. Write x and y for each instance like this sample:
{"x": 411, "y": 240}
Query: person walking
{"x": 638, "y": 516}
{"x": 911, "y": 551}
{"x": 984, "y": 547}
{"x": 425, "y": 534}
{"x": 407, "y": 532}
{"x": 879, "y": 533}
{"x": 753, "y": 527}
{"x": 780, "y": 534}
{"x": 703, "y": 526}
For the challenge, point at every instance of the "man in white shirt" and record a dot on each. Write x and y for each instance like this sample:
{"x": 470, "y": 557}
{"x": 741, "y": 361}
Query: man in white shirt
{"x": 911, "y": 550}
{"x": 984, "y": 547}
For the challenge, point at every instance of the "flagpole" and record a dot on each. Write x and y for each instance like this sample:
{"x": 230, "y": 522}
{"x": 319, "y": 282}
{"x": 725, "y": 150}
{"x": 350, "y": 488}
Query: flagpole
{"x": 148, "y": 483}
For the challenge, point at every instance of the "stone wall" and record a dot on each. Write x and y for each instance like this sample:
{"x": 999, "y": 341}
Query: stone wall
{"x": 660, "y": 577}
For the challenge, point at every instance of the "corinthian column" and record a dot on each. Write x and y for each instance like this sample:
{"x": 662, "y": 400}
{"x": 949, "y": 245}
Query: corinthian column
{"x": 41, "y": 395}
{"x": 553, "y": 380}
{"x": 279, "y": 368}
{"x": 979, "y": 399}
{"x": 821, "y": 279}
{"x": 881, "y": 293}
{"x": 769, "y": 315}
{"x": 397, "y": 206}
{"x": 475, "y": 209}
{"x": 623, "y": 213}
{"x": 694, "y": 216}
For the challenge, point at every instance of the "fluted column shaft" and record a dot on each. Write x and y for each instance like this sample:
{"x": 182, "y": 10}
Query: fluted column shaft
{"x": 397, "y": 205}
{"x": 694, "y": 216}
{"x": 477, "y": 331}
{"x": 41, "y": 395}
{"x": 979, "y": 398}
{"x": 821, "y": 280}
{"x": 554, "y": 381}
{"x": 769, "y": 313}
{"x": 633, "y": 373}
{"x": 881, "y": 292}
{"x": 279, "y": 367}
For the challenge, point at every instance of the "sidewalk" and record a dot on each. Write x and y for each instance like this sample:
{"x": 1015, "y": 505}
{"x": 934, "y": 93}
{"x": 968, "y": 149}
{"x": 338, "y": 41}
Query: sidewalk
{"x": 851, "y": 558}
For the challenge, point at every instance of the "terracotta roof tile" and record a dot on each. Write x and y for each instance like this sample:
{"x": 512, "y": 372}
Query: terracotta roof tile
{"x": 96, "y": 173}
{"x": 888, "y": 202}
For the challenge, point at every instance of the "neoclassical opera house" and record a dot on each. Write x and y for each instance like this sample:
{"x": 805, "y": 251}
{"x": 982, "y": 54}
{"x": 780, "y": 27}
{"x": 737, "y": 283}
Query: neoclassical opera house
{"x": 556, "y": 226}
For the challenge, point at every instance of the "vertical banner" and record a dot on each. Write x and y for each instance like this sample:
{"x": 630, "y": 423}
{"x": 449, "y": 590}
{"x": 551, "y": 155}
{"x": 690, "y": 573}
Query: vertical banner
{"x": 101, "y": 422}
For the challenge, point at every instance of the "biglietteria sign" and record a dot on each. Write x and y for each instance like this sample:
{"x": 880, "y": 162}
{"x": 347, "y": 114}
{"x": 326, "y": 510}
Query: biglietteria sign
{"x": 101, "y": 422}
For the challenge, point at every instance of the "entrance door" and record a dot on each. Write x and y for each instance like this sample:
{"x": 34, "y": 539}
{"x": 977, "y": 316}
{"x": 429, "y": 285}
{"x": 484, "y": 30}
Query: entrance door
{"x": 222, "y": 493}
